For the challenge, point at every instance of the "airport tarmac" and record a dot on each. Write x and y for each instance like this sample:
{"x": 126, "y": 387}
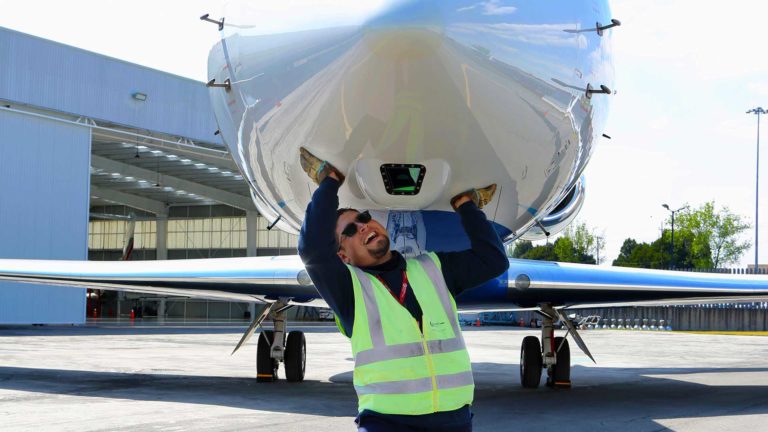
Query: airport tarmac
{"x": 118, "y": 377}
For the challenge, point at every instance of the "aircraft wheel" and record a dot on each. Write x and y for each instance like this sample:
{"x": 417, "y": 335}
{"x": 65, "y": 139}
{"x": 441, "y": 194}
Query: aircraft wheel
{"x": 530, "y": 362}
{"x": 295, "y": 356}
{"x": 560, "y": 373}
{"x": 266, "y": 366}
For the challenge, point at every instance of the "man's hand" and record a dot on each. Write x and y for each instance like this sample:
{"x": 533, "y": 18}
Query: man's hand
{"x": 318, "y": 169}
{"x": 481, "y": 197}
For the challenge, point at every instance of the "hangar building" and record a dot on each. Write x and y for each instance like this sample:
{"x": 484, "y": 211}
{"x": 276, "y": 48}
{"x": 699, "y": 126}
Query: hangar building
{"x": 88, "y": 142}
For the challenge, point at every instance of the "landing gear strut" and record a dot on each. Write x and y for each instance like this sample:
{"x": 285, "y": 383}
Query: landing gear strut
{"x": 553, "y": 353}
{"x": 274, "y": 347}
{"x": 559, "y": 374}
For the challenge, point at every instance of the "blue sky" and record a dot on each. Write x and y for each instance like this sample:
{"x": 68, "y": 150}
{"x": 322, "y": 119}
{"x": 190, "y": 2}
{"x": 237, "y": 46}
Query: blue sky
{"x": 686, "y": 72}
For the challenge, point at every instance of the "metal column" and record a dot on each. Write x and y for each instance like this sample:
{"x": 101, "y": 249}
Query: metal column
{"x": 251, "y": 228}
{"x": 162, "y": 237}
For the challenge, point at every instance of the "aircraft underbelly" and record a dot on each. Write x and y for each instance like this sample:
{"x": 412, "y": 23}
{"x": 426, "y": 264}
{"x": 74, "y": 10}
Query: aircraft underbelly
{"x": 470, "y": 98}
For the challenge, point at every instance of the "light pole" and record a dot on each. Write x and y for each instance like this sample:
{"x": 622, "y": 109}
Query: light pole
{"x": 672, "y": 248}
{"x": 757, "y": 111}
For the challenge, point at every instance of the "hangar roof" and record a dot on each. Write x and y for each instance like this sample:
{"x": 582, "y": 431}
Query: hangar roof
{"x": 152, "y": 173}
{"x": 153, "y": 134}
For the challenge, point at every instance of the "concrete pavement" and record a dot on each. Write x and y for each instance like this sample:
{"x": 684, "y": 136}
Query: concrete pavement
{"x": 111, "y": 376}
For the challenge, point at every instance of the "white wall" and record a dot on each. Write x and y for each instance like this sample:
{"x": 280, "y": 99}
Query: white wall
{"x": 44, "y": 198}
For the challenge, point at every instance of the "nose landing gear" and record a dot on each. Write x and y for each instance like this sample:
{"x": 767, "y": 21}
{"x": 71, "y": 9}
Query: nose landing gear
{"x": 530, "y": 362}
{"x": 274, "y": 347}
{"x": 554, "y": 353}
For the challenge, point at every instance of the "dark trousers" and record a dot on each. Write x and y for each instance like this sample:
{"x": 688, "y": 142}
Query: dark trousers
{"x": 378, "y": 424}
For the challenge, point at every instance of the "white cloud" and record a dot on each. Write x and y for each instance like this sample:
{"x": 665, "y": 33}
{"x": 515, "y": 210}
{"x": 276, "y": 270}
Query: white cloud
{"x": 535, "y": 34}
{"x": 601, "y": 60}
{"x": 491, "y": 7}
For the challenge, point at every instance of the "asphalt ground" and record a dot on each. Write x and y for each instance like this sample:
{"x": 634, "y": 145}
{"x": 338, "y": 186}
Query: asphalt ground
{"x": 181, "y": 377}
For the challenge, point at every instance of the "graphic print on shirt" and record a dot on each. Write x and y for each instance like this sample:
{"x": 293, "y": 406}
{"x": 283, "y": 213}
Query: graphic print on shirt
{"x": 407, "y": 233}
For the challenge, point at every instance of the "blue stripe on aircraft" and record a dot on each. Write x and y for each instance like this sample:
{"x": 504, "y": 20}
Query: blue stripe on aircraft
{"x": 544, "y": 271}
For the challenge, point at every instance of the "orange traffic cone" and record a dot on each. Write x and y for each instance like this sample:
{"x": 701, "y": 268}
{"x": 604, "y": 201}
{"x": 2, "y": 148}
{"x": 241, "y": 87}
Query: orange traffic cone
{"x": 133, "y": 314}
{"x": 477, "y": 323}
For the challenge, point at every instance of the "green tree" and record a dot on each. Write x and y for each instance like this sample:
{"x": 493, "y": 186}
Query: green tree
{"x": 521, "y": 248}
{"x": 541, "y": 253}
{"x": 582, "y": 237}
{"x": 576, "y": 245}
{"x": 625, "y": 253}
{"x": 716, "y": 232}
{"x": 688, "y": 250}
{"x": 659, "y": 255}
{"x": 585, "y": 242}
{"x": 565, "y": 250}
{"x": 642, "y": 255}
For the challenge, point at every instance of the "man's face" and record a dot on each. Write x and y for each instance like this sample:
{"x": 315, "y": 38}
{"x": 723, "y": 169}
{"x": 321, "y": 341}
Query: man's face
{"x": 368, "y": 246}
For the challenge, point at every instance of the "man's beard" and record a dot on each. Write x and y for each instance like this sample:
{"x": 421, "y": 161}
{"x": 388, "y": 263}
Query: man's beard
{"x": 380, "y": 251}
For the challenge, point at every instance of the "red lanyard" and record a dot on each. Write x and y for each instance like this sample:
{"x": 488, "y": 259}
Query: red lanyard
{"x": 401, "y": 299}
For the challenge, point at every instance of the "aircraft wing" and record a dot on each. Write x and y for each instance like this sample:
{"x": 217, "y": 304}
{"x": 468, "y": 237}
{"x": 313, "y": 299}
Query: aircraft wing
{"x": 266, "y": 279}
{"x": 580, "y": 285}
{"x": 260, "y": 279}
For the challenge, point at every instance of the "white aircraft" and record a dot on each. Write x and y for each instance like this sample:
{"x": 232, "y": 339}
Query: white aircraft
{"x": 415, "y": 102}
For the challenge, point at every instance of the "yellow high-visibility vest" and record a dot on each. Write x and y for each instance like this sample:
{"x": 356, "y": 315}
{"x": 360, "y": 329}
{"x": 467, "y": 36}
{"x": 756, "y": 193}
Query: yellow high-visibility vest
{"x": 399, "y": 369}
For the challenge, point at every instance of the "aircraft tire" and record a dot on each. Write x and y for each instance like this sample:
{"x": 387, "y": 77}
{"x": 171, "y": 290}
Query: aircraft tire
{"x": 266, "y": 366}
{"x": 295, "y": 356}
{"x": 560, "y": 373}
{"x": 530, "y": 362}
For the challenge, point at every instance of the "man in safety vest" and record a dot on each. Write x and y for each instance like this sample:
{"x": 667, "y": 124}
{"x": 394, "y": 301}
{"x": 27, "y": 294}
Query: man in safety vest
{"x": 412, "y": 369}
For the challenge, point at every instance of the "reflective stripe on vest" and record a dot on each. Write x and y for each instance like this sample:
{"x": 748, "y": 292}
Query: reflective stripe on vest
{"x": 417, "y": 385}
{"x": 380, "y": 350}
{"x": 437, "y": 375}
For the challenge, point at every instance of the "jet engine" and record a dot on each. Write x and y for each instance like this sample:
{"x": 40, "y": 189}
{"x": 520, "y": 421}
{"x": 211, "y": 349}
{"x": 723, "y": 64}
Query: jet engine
{"x": 560, "y": 217}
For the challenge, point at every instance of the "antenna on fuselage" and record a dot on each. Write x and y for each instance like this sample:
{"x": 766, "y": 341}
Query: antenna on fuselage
{"x": 272, "y": 225}
{"x": 546, "y": 233}
{"x": 599, "y": 28}
{"x": 219, "y": 22}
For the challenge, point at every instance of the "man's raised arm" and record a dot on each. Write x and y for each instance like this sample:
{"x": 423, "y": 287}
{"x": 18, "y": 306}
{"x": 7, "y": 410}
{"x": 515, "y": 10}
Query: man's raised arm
{"x": 317, "y": 240}
{"x": 485, "y": 259}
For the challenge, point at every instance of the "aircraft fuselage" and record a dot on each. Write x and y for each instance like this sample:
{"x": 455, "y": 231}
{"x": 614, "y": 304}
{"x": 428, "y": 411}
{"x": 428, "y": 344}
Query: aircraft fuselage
{"x": 416, "y": 102}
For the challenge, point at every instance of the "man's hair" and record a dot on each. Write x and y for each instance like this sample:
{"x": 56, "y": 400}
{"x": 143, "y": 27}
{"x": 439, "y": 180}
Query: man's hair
{"x": 341, "y": 211}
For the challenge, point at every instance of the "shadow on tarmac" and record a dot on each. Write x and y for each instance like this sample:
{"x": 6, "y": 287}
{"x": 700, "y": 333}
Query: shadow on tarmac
{"x": 624, "y": 399}
{"x": 126, "y": 327}
{"x": 309, "y": 397}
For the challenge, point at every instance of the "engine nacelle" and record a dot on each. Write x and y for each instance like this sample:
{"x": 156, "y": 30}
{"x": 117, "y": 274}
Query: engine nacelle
{"x": 560, "y": 217}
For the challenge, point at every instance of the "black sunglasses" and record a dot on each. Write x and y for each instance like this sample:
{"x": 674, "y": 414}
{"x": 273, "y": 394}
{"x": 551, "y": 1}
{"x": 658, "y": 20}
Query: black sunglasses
{"x": 351, "y": 228}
